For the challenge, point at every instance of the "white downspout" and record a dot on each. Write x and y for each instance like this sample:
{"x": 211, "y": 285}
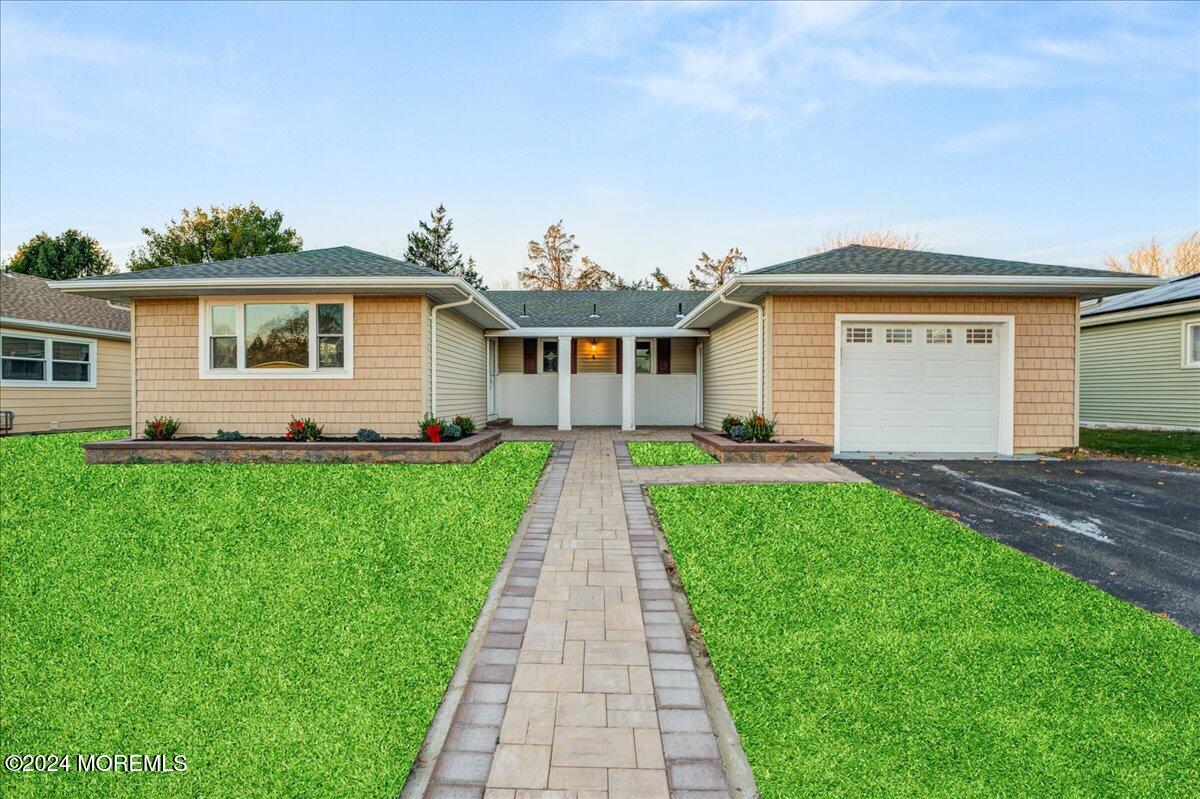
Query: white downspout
{"x": 759, "y": 310}
{"x": 433, "y": 348}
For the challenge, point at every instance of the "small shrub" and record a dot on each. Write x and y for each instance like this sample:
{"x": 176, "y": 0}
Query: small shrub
{"x": 367, "y": 435}
{"x": 738, "y": 433}
{"x": 466, "y": 424}
{"x": 758, "y": 427}
{"x": 228, "y": 435}
{"x": 728, "y": 423}
{"x": 452, "y": 432}
{"x": 431, "y": 427}
{"x": 161, "y": 428}
{"x": 303, "y": 430}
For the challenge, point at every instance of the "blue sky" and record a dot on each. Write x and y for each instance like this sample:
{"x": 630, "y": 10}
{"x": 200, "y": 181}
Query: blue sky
{"x": 1054, "y": 133}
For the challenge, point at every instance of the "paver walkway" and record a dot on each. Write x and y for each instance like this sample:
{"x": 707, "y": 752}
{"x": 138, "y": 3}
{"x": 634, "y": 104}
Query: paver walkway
{"x": 585, "y": 686}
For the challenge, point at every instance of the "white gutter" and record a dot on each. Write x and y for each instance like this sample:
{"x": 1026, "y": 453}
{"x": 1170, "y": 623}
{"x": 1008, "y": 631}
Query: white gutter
{"x": 433, "y": 347}
{"x": 1148, "y": 312}
{"x": 60, "y": 327}
{"x": 759, "y": 310}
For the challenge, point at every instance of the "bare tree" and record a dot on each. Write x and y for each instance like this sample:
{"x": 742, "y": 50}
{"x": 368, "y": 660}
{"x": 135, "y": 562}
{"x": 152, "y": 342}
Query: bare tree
{"x": 709, "y": 272}
{"x": 659, "y": 281}
{"x": 1152, "y": 259}
{"x": 552, "y": 268}
{"x": 871, "y": 238}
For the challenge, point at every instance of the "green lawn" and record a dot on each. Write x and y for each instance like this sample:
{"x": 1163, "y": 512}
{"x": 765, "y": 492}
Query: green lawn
{"x": 1177, "y": 447}
{"x": 290, "y": 629}
{"x": 669, "y": 453}
{"x": 870, "y": 647}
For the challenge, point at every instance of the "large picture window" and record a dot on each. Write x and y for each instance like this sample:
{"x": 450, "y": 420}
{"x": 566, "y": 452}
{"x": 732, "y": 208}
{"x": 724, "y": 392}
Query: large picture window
{"x": 33, "y": 360}
{"x": 261, "y": 337}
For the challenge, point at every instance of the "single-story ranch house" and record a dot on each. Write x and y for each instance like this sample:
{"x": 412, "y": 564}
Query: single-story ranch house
{"x": 1139, "y": 358}
{"x": 64, "y": 359}
{"x": 862, "y": 348}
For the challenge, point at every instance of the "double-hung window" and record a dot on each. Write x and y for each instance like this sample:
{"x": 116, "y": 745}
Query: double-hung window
{"x": 27, "y": 359}
{"x": 643, "y": 358}
{"x": 267, "y": 337}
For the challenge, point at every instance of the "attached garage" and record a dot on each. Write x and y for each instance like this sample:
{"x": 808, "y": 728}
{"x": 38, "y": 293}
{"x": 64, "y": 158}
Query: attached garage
{"x": 907, "y": 384}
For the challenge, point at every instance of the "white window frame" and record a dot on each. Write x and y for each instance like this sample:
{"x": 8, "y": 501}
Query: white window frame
{"x": 1006, "y": 326}
{"x": 48, "y": 380}
{"x": 1191, "y": 359}
{"x": 313, "y": 372}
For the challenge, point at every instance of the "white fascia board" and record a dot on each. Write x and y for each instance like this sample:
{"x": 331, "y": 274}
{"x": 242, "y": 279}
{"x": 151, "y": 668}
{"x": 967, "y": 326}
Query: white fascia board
{"x": 1133, "y": 314}
{"x": 597, "y": 332}
{"x": 134, "y": 287}
{"x": 59, "y": 327}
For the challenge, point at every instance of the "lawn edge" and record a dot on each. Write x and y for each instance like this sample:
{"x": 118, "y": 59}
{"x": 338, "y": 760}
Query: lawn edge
{"x": 420, "y": 772}
{"x": 729, "y": 743}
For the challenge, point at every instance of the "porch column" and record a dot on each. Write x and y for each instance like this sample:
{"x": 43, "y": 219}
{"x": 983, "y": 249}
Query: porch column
{"x": 564, "y": 382}
{"x": 627, "y": 371}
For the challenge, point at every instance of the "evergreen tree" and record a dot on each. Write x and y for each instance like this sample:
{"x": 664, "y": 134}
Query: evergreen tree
{"x": 431, "y": 245}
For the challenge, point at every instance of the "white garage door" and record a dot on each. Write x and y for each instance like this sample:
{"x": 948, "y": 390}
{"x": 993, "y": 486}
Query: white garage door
{"x": 921, "y": 387}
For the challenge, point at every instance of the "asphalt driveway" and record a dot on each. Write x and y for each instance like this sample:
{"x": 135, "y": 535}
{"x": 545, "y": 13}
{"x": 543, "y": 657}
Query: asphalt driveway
{"x": 1129, "y": 528}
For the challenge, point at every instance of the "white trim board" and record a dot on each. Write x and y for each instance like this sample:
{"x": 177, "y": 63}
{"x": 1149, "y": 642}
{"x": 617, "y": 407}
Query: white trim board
{"x": 1008, "y": 376}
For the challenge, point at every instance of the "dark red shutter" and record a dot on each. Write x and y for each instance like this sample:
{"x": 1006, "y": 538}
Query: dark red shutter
{"x": 663, "y": 345}
{"x": 620, "y": 345}
{"x": 574, "y": 356}
{"x": 530, "y": 351}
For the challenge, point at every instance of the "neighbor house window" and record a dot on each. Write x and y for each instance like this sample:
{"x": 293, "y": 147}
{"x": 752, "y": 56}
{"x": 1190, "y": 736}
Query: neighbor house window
{"x": 550, "y": 356}
{"x": 642, "y": 357}
{"x": 27, "y": 359}
{"x": 1191, "y": 344}
{"x": 258, "y": 337}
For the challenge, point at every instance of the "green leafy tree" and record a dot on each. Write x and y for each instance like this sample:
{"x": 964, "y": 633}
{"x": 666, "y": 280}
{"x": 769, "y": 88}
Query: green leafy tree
{"x": 431, "y": 245}
{"x": 218, "y": 234}
{"x": 68, "y": 255}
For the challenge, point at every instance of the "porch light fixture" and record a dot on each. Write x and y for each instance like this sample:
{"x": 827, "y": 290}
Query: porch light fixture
{"x": 593, "y": 349}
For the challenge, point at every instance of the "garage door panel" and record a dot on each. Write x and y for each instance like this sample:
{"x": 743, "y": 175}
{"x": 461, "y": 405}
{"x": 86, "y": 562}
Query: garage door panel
{"x": 920, "y": 396}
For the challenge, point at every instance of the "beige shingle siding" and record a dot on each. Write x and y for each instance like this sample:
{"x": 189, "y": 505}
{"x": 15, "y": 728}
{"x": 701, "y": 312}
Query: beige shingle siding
{"x": 731, "y": 369}
{"x": 386, "y": 393}
{"x": 1132, "y": 373}
{"x": 461, "y": 368}
{"x": 106, "y": 405}
{"x": 803, "y": 345}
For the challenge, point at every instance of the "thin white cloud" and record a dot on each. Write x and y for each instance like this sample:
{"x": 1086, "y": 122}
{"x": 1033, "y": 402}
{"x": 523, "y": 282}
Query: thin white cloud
{"x": 985, "y": 136}
{"x": 758, "y": 62}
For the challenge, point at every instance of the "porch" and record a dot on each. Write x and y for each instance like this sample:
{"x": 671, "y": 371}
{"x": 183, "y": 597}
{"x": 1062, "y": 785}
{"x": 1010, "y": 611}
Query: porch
{"x": 596, "y": 380}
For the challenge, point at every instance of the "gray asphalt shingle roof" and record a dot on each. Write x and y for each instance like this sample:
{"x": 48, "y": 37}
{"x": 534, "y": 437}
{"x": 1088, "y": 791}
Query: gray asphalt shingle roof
{"x": 612, "y": 308}
{"x": 1178, "y": 290}
{"x": 328, "y": 262}
{"x": 28, "y": 297}
{"x": 857, "y": 259}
